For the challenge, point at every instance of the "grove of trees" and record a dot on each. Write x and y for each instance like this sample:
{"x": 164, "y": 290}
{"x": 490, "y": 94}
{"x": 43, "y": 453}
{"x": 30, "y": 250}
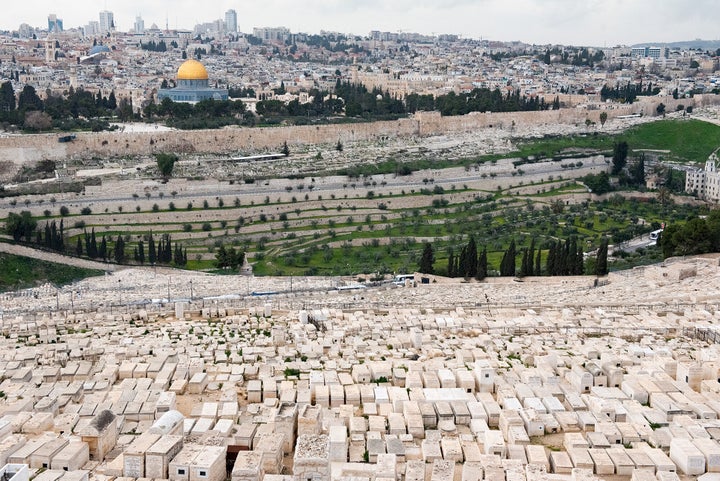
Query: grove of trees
{"x": 696, "y": 236}
{"x": 52, "y": 236}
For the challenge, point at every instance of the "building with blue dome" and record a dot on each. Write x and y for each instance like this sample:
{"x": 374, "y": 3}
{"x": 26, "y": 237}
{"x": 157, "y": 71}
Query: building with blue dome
{"x": 97, "y": 49}
{"x": 192, "y": 85}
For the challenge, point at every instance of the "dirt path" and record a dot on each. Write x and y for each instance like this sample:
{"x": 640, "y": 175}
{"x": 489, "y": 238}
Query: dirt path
{"x": 54, "y": 257}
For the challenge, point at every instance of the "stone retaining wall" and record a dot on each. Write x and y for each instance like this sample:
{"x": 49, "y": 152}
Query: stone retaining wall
{"x": 29, "y": 148}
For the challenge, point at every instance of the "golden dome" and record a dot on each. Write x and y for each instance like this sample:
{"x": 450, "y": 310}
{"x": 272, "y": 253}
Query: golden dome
{"x": 192, "y": 70}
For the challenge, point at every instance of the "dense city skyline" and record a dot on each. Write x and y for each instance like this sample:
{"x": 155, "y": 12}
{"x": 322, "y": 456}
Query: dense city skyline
{"x": 592, "y": 22}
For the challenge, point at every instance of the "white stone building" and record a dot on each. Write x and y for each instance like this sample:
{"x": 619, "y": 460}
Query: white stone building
{"x": 705, "y": 183}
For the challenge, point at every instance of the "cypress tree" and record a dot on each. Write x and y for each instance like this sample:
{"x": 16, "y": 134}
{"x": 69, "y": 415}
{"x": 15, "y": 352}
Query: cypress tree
{"x": 78, "y": 247}
{"x": 525, "y": 263}
{"x": 580, "y": 261}
{"x": 61, "y": 237}
{"x": 507, "y": 266}
{"x": 427, "y": 259}
{"x": 538, "y": 263}
{"x": 119, "y": 250}
{"x": 572, "y": 268}
{"x": 472, "y": 256}
{"x": 93, "y": 242}
{"x": 141, "y": 252}
{"x": 601, "y": 266}
{"x": 160, "y": 251}
{"x": 451, "y": 263}
{"x": 551, "y": 262}
{"x": 531, "y": 257}
{"x": 168, "y": 249}
{"x": 152, "y": 256}
{"x": 462, "y": 263}
{"x": 482, "y": 266}
{"x": 102, "y": 252}
{"x": 48, "y": 235}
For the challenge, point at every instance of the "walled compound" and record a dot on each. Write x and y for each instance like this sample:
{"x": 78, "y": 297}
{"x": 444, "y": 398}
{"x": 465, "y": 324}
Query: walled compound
{"x": 19, "y": 149}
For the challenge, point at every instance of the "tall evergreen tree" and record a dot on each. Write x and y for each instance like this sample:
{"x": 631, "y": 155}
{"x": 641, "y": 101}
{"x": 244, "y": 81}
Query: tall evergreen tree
{"x": 524, "y": 263}
{"x": 538, "y": 263}
{"x": 472, "y": 256}
{"x": 78, "y": 247}
{"x": 482, "y": 265}
{"x": 93, "y": 243}
{"x": 141, "y": 252}
{"x": 572, "y": 261}
{"x": 47, "y": 238}
{"x": 7, "y": 97}
{"x": 580, "y": 260}
{"x": 119, "y": 250}
{"x": 551, "y": 263}
{"x": 463, "y": 263}
{"x": 451, "y": 263}
{"x": 531, "y": 257}
{"x": 102, "y": 251}
{"x": 61, "y": 236}
{"x": 637, "y": 171}
{"x": 620, "y": 152}
{"x": 152, "y": 255}
{"x": 507, "y": 265}
{"x": 601, "y": 264}
{"x": 427, "y": 259}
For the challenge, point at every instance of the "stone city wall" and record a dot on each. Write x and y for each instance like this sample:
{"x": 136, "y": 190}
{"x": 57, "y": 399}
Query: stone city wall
{"x": 29, "y": 148}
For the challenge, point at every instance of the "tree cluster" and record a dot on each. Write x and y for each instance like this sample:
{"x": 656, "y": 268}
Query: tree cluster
{"x": 478, "y": 100}
{"x": 696, "y": 236}
{"x": 202, "y": 115}
{"x": 79, "y": 109}
{"x": 166, "y": 163}
{"x": 53, "y": 237}
{"x": 229, "y": 258}
{"x": 361, "y": 102}
{"x": 565, "y": 258}
{"x": 319, "y": 107}
{"x": 153, "y": 46}
{"x": 572, "y": 56}
{"x": 20, "y": 226}
{"x": 627, "y": 93}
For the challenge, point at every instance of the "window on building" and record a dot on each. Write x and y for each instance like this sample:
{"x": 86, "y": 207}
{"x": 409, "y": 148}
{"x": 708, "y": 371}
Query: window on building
{"x": 181, "y": 471}
{"x": 202, "y": 473}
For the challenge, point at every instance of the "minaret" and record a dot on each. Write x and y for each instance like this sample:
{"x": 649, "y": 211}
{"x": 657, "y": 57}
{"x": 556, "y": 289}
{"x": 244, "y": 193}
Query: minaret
{"x": 354, "y": 72}
{"x": 73, "y": 76}
{"x": 50, "y": 50}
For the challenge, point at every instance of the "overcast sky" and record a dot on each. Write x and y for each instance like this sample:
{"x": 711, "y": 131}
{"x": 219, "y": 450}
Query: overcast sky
{"x": 570, "y": 22}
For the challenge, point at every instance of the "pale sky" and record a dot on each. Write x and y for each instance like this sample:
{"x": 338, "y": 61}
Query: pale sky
{"x": 569, "y": 22}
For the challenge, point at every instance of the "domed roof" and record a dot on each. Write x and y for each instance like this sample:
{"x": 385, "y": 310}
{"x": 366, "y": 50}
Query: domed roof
{"x": 98, "y": 49}
{"x": 192, "y": 70}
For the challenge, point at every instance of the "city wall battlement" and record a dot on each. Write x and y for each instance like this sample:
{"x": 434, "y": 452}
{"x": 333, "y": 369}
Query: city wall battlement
{"x": 23, "y": 149}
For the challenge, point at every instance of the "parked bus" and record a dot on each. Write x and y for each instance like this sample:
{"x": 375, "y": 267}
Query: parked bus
{"x": 401, "y": 278}
{"x": 655, "y": 235}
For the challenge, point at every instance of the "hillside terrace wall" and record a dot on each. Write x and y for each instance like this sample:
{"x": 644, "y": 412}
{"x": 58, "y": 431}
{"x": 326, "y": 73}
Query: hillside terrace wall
{"x": 29, "y": 148}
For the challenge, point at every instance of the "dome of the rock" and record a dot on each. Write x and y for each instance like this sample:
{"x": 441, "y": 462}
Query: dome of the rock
{"x": 192, "y": 70}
